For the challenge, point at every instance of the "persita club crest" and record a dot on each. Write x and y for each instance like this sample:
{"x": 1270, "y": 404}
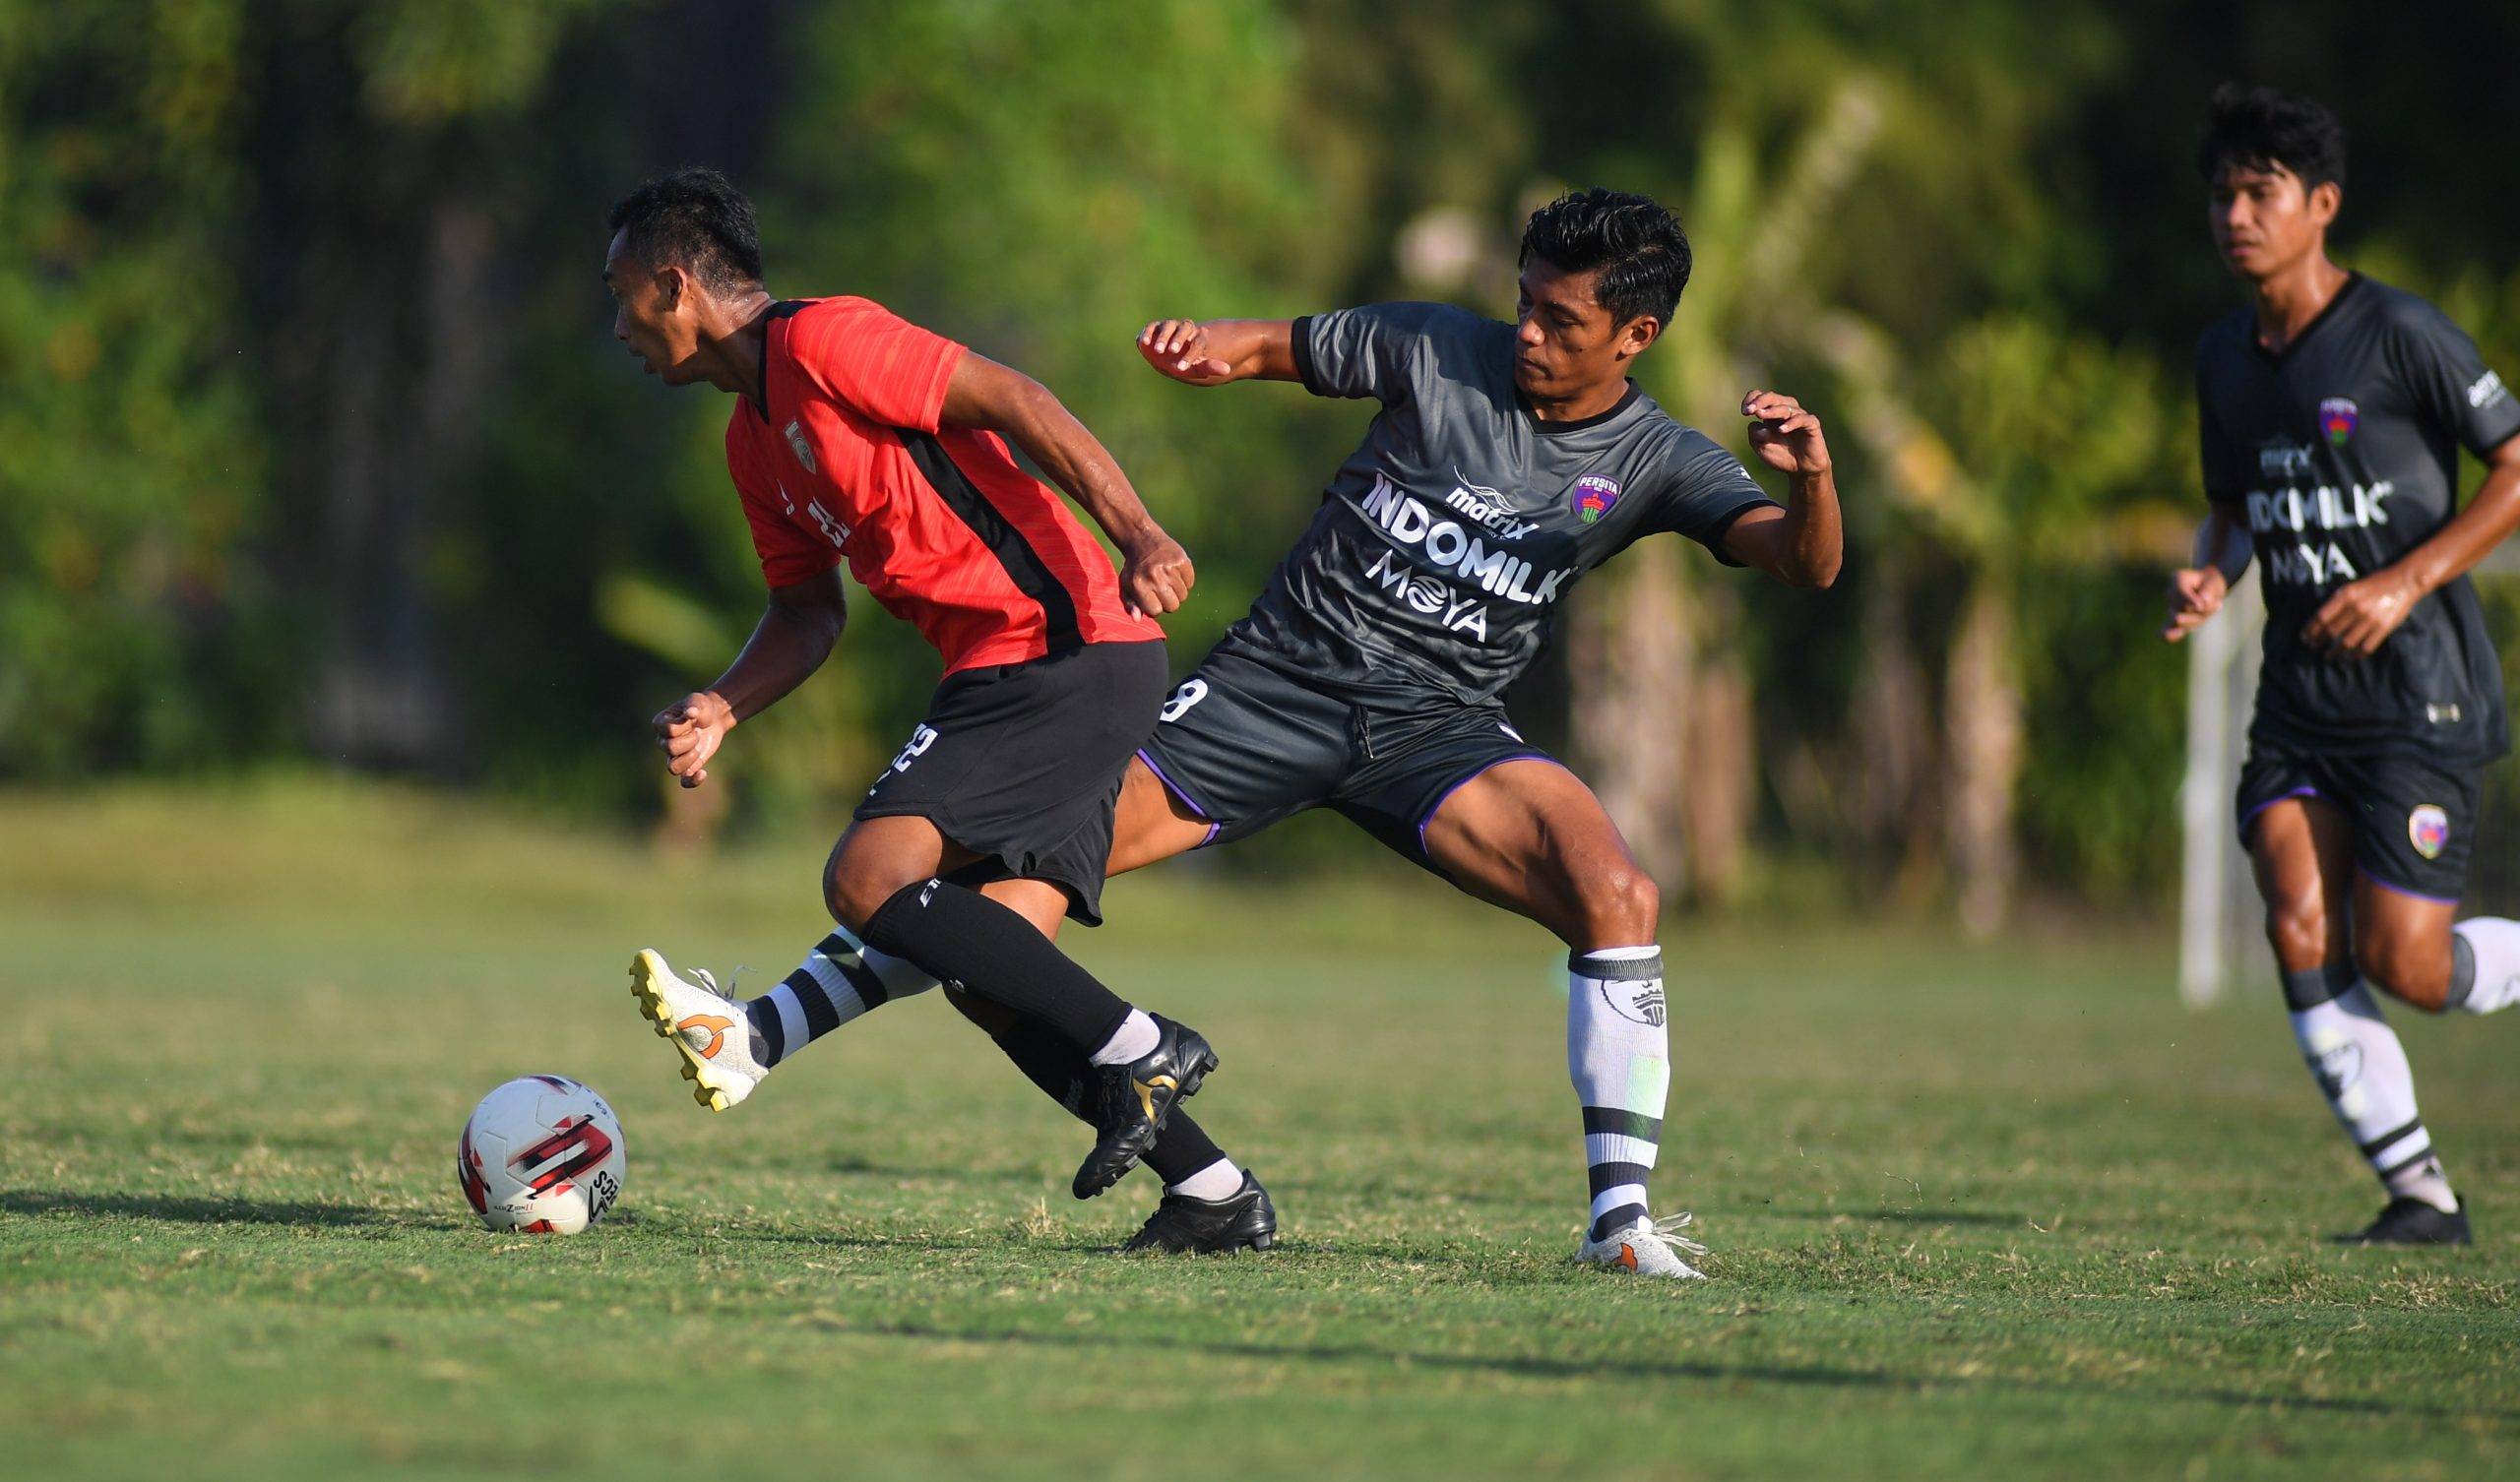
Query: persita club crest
{"x": 2338, "y": 416}
{"x": 1593, "y": 496}
{"x": 2428, "y": 828}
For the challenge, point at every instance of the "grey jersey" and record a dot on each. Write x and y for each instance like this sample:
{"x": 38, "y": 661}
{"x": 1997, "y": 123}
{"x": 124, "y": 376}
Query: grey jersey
{"x": 2342, "y": 454}
{"x": 1447, "y": 542}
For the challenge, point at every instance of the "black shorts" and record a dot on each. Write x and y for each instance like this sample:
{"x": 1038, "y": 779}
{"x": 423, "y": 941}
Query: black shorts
{"x": 1245, "y": 745}
{"x": 1021, "y": 765}
{"x": 2414, "y": 819}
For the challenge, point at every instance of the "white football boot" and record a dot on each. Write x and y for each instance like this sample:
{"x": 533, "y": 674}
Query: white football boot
{"x": 707, "y": 1029}
{"x": 1648, "y": 1247}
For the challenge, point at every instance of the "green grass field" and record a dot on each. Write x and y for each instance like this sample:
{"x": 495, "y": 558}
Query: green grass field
{"x": 1977, "y": 1211}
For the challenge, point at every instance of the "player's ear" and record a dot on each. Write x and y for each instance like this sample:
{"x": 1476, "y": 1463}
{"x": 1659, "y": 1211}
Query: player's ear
{"x": 2326, "y": 198}
{"x": 1638, "y": 334}
{"x": 671, "y": 283}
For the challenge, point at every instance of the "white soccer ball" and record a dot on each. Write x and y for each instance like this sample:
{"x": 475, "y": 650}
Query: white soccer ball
{"x": 543, "y": 1155}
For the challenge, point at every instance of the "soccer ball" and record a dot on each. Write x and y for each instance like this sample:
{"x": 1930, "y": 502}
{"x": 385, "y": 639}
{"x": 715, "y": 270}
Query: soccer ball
{"x": 541, "y": 1155}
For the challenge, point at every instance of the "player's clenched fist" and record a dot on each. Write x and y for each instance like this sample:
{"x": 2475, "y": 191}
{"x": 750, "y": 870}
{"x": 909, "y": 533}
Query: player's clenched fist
{"x": 2195, "y": 595}
{"x": 1786, "y": 436}
{"x": 1179, "y": 348}
{"x": 689, "y": 732}
{"x": 1154, "y": 573}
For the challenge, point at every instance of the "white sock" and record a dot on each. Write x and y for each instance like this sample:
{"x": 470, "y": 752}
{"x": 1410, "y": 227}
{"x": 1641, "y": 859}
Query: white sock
{"x": 2361, "y": 1069}
{"x": 1221, "y": 1179}
{"x": 2487, "y": 953}
{"x": 1618, "y": 1055}
{"x": 1137, "y": 1037}
{"x": 838, "y": 980}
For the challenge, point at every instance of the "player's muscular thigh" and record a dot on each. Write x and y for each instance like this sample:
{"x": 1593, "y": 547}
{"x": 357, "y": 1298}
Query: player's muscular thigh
{"x": 878, "y": 856}
{"x": 1529, "y": 837}
{"x": 1151, "y": 824}
{"x": 2403, "y": 944}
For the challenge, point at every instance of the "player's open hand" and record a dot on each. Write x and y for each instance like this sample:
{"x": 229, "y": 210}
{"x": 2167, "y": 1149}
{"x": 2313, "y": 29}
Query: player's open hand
{"x": 1179, "y": 348}
{"x": 2195, "y": 595}
{"x": 1786, "y": 437}
{"x": 689, "y": 731}
{"x": 2359, "y": 617}
{"x": 1154, "y": 574}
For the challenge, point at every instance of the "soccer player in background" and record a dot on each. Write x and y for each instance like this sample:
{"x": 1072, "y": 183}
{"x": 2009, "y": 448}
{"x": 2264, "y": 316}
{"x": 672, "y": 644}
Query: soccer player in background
{"x": 2331, "y": 410}
{"x": 1504, "y": 462}
{"x": 859, "y": 437}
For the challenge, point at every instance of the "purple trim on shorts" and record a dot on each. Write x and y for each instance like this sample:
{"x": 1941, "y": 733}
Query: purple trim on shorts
{"x": 1206, "y": 815}
{"x": 1483, "y": 770}
{"x": 2250, "y": 817}
{"x": 2399, "y": 890}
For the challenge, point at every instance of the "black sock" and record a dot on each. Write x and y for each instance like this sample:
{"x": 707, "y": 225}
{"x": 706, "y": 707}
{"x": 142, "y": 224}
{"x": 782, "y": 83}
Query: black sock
{"x": 1067, "y": 1078}
{"x": 963, "y": 937}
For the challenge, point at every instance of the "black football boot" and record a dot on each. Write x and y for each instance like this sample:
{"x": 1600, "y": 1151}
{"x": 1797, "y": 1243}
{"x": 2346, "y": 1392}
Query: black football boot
{"x": 1137, "y": 1097}
{"x": 1244, "y": 1221}
{"x": 2411, "y": 1221}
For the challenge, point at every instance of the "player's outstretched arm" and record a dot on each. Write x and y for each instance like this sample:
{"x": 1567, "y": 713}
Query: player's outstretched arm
{"x": 1221, "y": 349}
{"x": 1155, "y": 571}
{"x": 794, "y": 636}
{"x": 1803, "y": 543}
{"x": 2196, "y": 591}
{"x": 2361, "y": 615}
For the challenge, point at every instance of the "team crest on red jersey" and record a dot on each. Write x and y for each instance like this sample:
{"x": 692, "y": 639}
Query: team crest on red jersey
{"x": 796, "y": 431}
{"x": 2338, "y": 417}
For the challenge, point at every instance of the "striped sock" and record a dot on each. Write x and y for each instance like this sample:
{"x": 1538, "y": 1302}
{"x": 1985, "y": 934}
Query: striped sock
{"x": 2361, "y": 1069}
{"x": 838, "y": 981}
{"x": 1618, "y": 1054}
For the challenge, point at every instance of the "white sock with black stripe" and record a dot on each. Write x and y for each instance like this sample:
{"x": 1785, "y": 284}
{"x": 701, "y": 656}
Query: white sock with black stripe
{"x": 2485, "y": 964}
{"x": 838, "y": 980}
{"x": 1618, "y": 1055}
{"x": 2362, "y": 1069}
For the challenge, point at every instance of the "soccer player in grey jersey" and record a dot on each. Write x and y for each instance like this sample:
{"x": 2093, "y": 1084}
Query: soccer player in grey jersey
{"x": 1504, "y": 462}
{"x": 2331, "y": 412}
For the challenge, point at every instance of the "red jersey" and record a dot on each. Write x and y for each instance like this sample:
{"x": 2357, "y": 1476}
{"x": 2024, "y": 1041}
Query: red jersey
{"x": 939, "y": 524}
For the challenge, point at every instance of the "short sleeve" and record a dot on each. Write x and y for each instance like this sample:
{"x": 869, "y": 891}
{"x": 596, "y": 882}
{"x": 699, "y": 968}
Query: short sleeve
{"x": 876, "y": 363}
{"x": 1705, "y": 490}
{"x": 2217, "y": 463}
{"x": 1369, "y": 351}
{"x": 2451, "y": 386}
{"x": 788, "y": 554}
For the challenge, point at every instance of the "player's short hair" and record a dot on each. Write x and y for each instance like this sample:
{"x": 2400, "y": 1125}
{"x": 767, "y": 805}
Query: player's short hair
{"x": 1638, "y": 246}
{"x": 693, "y": 219}
{"x": 2259, "y": 128}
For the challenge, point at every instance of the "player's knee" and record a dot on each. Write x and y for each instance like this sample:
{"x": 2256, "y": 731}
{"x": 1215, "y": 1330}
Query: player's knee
{"x": 855, "y": 888}
{"x": 2296, "y": 928}
{"x": 1622, "y": 904}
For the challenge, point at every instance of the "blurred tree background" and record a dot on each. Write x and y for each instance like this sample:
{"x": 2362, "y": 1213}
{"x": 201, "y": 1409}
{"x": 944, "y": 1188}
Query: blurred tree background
{"x": 314, "y": 446}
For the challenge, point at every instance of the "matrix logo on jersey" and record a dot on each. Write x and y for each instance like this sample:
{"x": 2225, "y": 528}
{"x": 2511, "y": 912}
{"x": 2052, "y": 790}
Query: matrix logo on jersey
{"x": 2338, "y": 417}
{"x": 1455, "y": 553}
{"x": 2428, "y": 828}
{"x": 1593, "y": 496}
{"x": 796, "y": 431}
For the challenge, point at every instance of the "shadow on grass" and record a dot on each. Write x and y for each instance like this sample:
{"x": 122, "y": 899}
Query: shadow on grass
{"x": 1970, "y": 1218}
{"x": 1626, "y": 1368}
{"x": 183, "y": 1209}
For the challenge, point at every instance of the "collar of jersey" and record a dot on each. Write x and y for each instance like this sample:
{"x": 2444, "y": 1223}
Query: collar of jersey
{"x": 2353, "y": 281}
{"x": 1555, "y": 429}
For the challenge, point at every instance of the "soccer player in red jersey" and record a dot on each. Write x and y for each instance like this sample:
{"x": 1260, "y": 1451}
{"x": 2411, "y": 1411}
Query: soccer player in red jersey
{"x": 862, "y": 438}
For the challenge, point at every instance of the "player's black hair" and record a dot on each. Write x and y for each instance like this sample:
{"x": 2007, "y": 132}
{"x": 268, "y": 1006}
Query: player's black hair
{"x": 693, "y": 219}
{"x": 1638, "y": 247}
{"x": 2259, "y": 128}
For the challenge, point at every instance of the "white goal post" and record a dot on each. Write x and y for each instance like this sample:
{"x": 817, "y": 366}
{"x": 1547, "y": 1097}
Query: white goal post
{"x": 2220, "y": 941}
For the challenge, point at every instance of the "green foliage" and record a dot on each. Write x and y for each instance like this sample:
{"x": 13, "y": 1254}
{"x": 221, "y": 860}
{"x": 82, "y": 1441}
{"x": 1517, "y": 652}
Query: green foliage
{"x": 132, "y": 465}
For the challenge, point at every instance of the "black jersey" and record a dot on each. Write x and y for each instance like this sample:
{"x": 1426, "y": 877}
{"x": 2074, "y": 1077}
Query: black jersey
{"x": 1445, "y": 542}
{"x": 2342, "y": 454}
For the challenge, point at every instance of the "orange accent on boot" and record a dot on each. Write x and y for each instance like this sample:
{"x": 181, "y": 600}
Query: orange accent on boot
{"x": 715, "y": 1025}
